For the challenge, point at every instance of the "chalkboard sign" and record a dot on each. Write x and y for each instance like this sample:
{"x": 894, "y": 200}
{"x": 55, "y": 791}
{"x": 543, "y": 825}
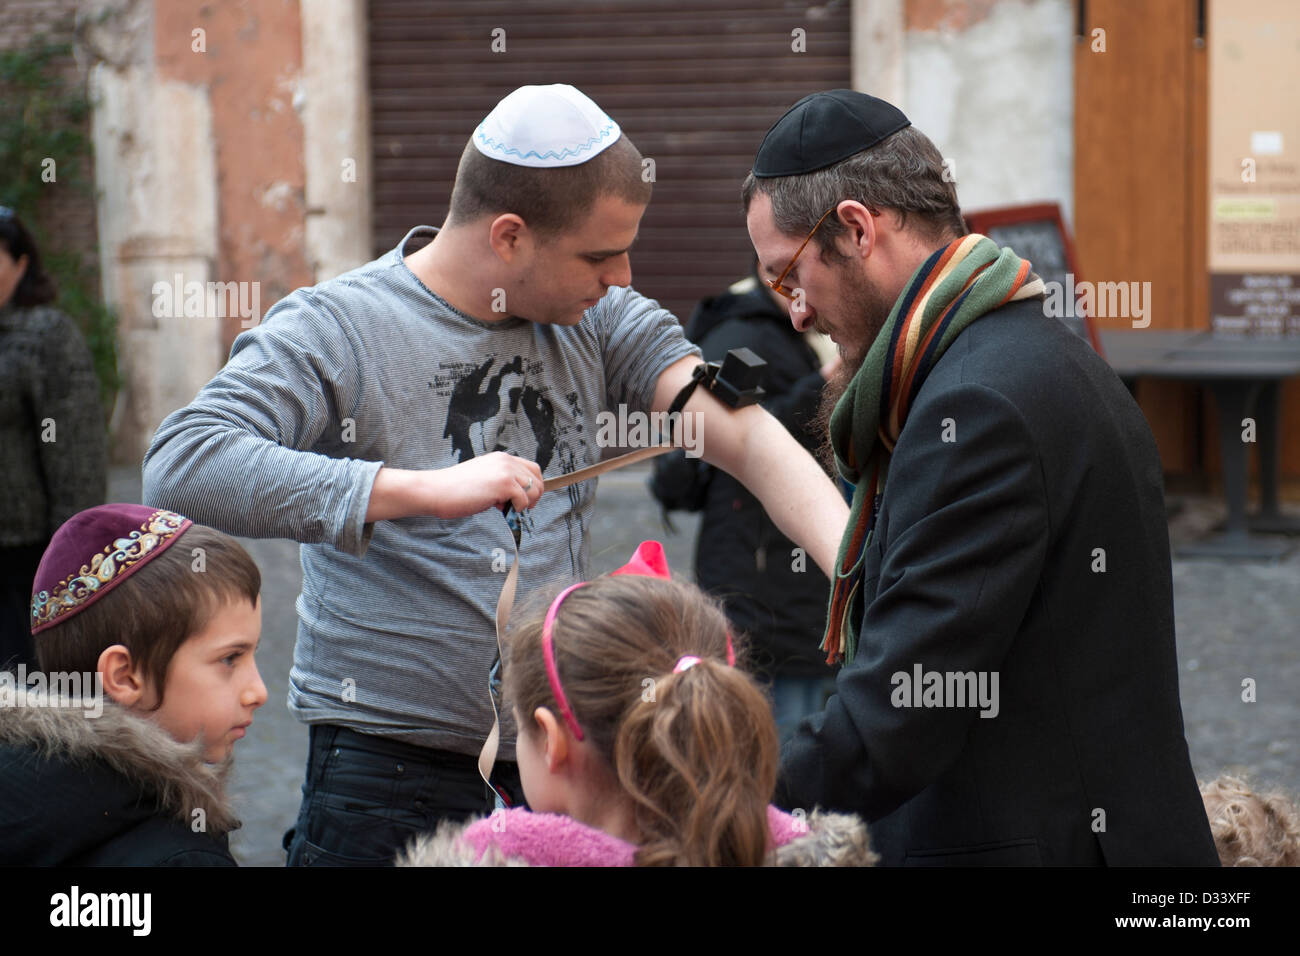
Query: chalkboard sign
{"x": 1037, "y": 233}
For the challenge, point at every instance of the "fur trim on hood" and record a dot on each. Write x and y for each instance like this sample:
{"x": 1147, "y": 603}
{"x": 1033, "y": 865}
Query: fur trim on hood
{"x": 833, "y": 839}
{"x": 523, "y": 838}
{"x": 175, "y": 773}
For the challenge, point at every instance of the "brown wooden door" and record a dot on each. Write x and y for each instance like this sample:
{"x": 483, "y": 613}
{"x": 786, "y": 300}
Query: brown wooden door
{"x": 1140, "y": 182}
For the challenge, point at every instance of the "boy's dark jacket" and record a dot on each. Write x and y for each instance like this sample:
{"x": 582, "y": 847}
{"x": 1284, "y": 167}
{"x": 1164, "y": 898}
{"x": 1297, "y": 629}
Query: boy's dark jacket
{"x": 113, "y": 790}
{"x": 740, "y": 556}
{"x": 1024, "y": 465}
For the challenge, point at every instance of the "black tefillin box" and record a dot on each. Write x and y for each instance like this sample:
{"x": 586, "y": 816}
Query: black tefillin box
{"x": 738, "y": 378}
{"x": 736, "y": 381}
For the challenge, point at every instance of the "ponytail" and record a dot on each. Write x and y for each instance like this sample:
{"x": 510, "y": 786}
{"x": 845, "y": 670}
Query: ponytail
{"x": 700, "y": 762}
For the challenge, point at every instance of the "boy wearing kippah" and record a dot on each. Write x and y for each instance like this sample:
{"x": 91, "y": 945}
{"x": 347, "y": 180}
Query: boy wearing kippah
{"x": 167, "y": 634}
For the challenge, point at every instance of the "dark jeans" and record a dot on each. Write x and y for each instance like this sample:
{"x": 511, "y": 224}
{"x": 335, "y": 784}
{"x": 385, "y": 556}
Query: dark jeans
{"x": 366, "y": 797}
{"x": 794, "y": 698}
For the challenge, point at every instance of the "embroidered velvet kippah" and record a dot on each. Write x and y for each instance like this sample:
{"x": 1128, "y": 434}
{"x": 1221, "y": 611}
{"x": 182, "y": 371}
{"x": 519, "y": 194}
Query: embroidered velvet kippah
{"x": 94, "y": 551}
{"x": 545, "y": 127}
{"x": 824, "y": 128}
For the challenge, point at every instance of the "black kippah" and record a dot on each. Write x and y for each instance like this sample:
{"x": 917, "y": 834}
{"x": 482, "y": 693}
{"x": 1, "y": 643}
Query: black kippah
{"x": 823, "y": 128}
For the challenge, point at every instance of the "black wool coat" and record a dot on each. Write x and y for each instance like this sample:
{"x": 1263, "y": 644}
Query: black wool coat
{"x": 1022, "y": 533}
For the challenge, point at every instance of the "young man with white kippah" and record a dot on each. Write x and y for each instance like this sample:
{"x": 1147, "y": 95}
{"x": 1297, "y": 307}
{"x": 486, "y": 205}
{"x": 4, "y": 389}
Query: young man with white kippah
{"x": 381, "y": 418}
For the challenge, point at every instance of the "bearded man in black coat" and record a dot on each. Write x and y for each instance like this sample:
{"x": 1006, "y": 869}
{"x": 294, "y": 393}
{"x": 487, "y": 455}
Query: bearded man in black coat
{"x": 1003, "y": 597}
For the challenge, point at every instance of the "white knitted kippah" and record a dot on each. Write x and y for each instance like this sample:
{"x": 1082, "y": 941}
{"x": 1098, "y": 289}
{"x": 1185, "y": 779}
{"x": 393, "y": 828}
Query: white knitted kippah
{"x": 545, "y": 126}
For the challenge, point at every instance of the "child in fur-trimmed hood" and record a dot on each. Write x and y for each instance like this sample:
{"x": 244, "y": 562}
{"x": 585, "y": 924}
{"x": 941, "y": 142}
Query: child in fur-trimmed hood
{"x": 113, "y": 790}
{"x": 640, "y": 742}
{"x": 147, "y": 651}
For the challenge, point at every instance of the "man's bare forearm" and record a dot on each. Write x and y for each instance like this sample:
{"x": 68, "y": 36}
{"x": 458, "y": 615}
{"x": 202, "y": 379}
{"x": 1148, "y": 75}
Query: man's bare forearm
{"x": 797, "y": 495}
{"x": 457, "y": 491}
{"x": 397, "y": 493}
{"x": 756, "y": 449}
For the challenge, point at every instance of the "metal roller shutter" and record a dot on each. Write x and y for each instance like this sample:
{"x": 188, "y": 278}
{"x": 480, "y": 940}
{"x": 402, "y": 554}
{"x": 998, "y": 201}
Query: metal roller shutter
{"x": 694, "y": 84}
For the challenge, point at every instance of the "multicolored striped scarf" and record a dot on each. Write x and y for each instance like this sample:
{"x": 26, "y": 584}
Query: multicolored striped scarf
{"x": 953, "y": 288}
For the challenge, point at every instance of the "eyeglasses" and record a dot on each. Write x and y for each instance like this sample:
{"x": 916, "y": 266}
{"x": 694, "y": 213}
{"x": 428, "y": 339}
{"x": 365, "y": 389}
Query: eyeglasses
{"x": 778, "y": 284}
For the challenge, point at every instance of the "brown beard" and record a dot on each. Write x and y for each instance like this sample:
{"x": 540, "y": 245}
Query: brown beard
{"x": 865, "y": 300}
{"x": 831, "y": 394}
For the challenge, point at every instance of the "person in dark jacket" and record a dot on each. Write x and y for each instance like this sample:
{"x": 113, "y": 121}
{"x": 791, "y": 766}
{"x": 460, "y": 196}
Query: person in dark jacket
{"x": 1003, "y": 597}
{"x": 167, "y": 634}
{"x": 80, "y": 803}
{"x": 771, "y": 592}
{"x": 53, "y": 446}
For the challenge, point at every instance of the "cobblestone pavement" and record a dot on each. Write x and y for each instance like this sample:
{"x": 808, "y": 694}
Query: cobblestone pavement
{"x": 1234, "y": 620}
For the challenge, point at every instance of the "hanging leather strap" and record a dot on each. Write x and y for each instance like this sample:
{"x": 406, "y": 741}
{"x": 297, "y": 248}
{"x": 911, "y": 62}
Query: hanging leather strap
{"x": 505, "y": 603}
{"x": 488, "y": 755}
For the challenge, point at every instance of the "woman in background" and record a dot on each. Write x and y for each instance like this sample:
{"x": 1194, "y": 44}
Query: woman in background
{"x": 52, "y": 434}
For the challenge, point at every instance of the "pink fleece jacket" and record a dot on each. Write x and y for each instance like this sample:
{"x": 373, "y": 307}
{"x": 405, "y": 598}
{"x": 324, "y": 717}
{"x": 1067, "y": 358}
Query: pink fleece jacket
{"x": 552, "y": 839}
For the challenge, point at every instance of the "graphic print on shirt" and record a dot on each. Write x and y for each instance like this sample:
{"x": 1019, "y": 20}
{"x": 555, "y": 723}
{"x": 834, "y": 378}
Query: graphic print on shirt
{"x": 501, "y": 404}
{"x": 471, "y": 404}
{"x": 573, "y": 516}
{"x": 540, "y": 415}
{"x": 502, "y": 410}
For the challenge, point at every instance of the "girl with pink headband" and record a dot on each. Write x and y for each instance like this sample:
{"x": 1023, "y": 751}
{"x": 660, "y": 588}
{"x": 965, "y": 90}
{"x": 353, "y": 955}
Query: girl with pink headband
{"x": 640, "y": 741}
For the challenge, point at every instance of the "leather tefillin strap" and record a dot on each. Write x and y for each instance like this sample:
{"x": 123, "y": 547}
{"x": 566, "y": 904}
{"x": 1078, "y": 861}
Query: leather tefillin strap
{"x": 736, "y": 381}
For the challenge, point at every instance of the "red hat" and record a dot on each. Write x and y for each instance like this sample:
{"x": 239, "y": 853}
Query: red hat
{"x": 94, "y": 551}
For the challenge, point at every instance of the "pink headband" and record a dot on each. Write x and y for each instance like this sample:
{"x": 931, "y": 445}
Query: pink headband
{"x": 650, "y": 561}
{"x": 548, "y": 651}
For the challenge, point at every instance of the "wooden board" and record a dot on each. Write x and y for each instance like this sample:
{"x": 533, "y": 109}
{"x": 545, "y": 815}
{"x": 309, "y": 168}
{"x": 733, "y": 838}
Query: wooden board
{"x": 1037, "y": 233}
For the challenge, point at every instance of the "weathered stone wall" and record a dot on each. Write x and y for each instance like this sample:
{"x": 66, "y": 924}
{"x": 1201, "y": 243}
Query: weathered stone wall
{"x": 219, "y": 162}
{"x": 67, "y": 214}
{"x": 992, "y": 83}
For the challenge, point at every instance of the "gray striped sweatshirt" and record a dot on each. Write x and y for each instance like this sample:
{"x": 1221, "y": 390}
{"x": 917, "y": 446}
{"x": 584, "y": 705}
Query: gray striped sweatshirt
{"x": 395, "y": 632}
